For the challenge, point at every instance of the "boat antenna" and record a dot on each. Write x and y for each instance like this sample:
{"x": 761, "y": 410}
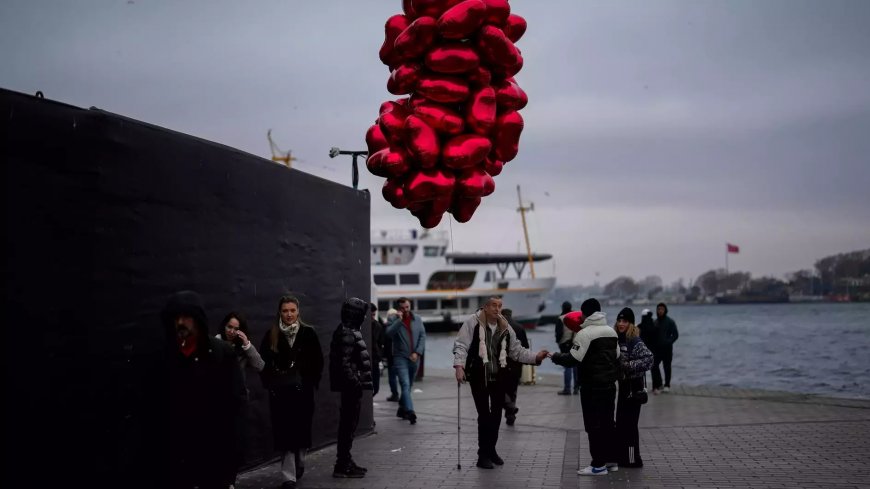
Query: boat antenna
{"x": 522, "y": 210}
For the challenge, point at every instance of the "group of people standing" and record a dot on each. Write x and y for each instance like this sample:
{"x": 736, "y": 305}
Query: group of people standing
{"x": 209, "y": 389}
{"x": 611, "y": 364}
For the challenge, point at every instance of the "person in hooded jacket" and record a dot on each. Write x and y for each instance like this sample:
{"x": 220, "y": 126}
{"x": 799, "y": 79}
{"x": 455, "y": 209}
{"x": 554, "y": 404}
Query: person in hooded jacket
{"x": 350, "y": 372}
{"x": 634, "y": 360}
{"x": 667, "y": 335}
{"x": 595, "y": 350}
{"x": 565, "y": 338}
{"x": 206, "y": 390}
{"x": 293, "y": 367}
{"x": 483, "y": 345}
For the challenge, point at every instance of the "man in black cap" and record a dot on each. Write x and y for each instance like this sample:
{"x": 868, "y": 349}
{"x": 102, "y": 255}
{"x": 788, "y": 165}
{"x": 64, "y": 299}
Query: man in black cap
{"x": 595, "y": 350}
{"x": 350, "y": 372}
{"x": 206, "y": 390}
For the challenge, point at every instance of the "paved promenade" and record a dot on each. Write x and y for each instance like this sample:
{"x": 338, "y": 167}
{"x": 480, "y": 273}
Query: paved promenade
{"x": 693, "y": 437}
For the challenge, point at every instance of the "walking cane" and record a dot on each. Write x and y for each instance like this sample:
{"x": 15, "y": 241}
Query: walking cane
{"x": 458, "y": 423}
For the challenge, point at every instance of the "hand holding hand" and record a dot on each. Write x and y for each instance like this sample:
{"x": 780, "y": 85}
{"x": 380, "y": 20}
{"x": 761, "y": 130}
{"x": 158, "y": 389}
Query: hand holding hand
{"x": 541, "y": 356}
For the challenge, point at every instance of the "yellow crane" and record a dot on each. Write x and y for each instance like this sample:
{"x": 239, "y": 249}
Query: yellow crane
{"x": 279, "y": 156}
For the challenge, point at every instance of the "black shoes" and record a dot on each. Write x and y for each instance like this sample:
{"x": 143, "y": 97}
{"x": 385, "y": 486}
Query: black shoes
{"x": 288, "y": 485}
{"x": 393, "y": 398}
{"x": 300, "y": 472}
{"x": 411, "y": 416}
{"x": 495, "y": 458}
{"x": 401, "y": 413}
{"x": 484, "y": 463}
{"x": 511, "y": 416}
{"x": 353, "y": 465}
{"x": 576, "y": 391}
{"x": 348, "y": 472}
{"x": 564, "y": 393}
{"x": 510, "y": 421}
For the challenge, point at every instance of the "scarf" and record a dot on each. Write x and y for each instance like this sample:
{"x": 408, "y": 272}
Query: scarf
{"x": 289, "y": 331}
{"x": 482, "y": 350}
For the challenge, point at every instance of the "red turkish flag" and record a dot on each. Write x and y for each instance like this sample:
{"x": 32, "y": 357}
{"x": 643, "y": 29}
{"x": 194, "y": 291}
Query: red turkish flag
{"x": 732, "y": 248}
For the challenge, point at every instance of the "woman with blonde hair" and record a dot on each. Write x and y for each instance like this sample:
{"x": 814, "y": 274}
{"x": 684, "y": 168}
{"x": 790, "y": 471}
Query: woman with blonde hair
{"x": 294, "y": 364}
{"x": 634, "y": 360}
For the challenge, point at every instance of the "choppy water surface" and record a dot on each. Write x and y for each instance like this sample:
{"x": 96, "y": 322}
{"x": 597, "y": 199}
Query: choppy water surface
{"x": 808, "y": 348}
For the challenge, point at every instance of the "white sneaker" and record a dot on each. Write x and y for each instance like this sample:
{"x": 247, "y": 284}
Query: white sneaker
{"x": 593, "y": 471}
{"x": 612, "y": 467}
{"x": 666, "y": 389}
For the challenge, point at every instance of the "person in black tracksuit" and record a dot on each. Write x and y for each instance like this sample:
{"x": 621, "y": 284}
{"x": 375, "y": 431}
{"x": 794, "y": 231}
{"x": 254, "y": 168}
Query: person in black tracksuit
{"x": 350, "y": 372}
{"x": 634, "y": 360}
{"x": 667, "y": 333}
{"x": 516, "y": 370}
{"x": 595, "y": 351}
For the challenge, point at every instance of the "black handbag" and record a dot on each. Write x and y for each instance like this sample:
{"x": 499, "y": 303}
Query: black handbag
{"x": 638, "y": 396}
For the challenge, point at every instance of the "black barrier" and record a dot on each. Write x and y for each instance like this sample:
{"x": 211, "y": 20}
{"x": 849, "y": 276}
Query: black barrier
{"x": 104, "y": 218}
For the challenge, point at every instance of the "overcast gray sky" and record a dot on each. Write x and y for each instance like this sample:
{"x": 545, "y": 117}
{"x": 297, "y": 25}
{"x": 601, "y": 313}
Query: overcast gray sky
{"x": 656, "y": 131}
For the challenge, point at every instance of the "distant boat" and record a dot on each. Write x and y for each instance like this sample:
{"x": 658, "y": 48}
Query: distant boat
{"x": 444, "y": 287}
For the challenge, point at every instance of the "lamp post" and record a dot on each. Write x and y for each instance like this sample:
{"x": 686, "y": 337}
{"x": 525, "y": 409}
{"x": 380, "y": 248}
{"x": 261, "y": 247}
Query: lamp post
{"x": 333, "y": 152}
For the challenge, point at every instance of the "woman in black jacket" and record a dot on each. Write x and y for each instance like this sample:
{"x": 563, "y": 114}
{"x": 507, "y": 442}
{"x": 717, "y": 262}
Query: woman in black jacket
{"x": 294, "y": 364}
{"x": 634, "y": 360}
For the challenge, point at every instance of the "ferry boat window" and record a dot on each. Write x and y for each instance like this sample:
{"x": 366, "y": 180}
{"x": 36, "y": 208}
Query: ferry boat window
{"x": 448, "y": 303}
{"x": 450, "y": 280}
{"x": 430, "y": 251}
{"x": 409, "y": 278}
{"x": 465, "y": 303}
{"x": 426, "y": 304}
{"x": 502, "y": 285}
{"x": 385, "y": 279}
{"x": 487, "y": 277}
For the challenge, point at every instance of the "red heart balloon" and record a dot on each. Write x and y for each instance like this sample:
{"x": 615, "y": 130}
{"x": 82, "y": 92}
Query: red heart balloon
{"x": 506, "y": 140}
{"x": 480, "y": 77}
{"x": 481, "y": 111}
{"x": 461, "y": 20}
{"x": 465, "y": 150}
{"x": 509, "y": 96}
{"x": 421, "y": 141}
{"x": 515, "y": 68}
{"x": 426, "y": 185}
{"x": 474, "y": 182}
{"x": 463, "y": 208}
{"x": 415, "y": 39}
{"x": 386, "y": 163}
{"x": 441, "y": 118}
{"x": 429, "y": 218}
{"x": 497, "y": 11}
{"x": 394, "y": 193}
{"x": 452, "y": 58}
{"x": 493, "y": 166}
{"x": 394, "y": 26}
{"x": 443, "y": 88}
{"x": 515, "y": 27}
{"x": 404, "y": 78}
{"x": 375, "y": 139}
{"x": 432, "y": 8}
{"x": 495, "y": 48}
{"x": 392, "y": 120}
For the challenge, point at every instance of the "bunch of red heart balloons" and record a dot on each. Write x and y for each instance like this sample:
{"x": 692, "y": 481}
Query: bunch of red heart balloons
{"x": 439, "y": 147}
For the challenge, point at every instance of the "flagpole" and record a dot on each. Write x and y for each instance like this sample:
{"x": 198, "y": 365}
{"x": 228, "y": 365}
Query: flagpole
{"x": 726, "y": 259}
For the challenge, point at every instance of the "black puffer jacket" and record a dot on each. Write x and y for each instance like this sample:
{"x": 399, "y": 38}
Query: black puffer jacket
{"x": 350, "y": 367}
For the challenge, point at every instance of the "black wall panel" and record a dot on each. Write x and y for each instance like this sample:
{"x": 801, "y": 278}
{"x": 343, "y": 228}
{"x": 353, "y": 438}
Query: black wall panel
{"x": 104, "y": 217}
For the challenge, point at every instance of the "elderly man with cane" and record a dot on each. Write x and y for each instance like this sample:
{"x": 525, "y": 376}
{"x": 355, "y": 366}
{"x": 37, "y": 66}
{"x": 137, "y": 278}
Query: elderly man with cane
{"x": 480, "y": 352}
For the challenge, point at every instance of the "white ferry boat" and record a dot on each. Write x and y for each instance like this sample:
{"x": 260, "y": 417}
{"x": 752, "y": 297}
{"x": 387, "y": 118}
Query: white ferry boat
{"x": 445, "y": 287}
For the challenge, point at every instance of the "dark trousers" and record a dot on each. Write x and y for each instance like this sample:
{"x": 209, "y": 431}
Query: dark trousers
{"x": 347, "y": 423}
{"x": 510, "y": 397}
{"x": 489, "y": 401}
{"x": 597, "y": 405}
{"x": 627, "y": 437}
{"x": 376, "y": 377}
{"x": 662, "y": 355}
